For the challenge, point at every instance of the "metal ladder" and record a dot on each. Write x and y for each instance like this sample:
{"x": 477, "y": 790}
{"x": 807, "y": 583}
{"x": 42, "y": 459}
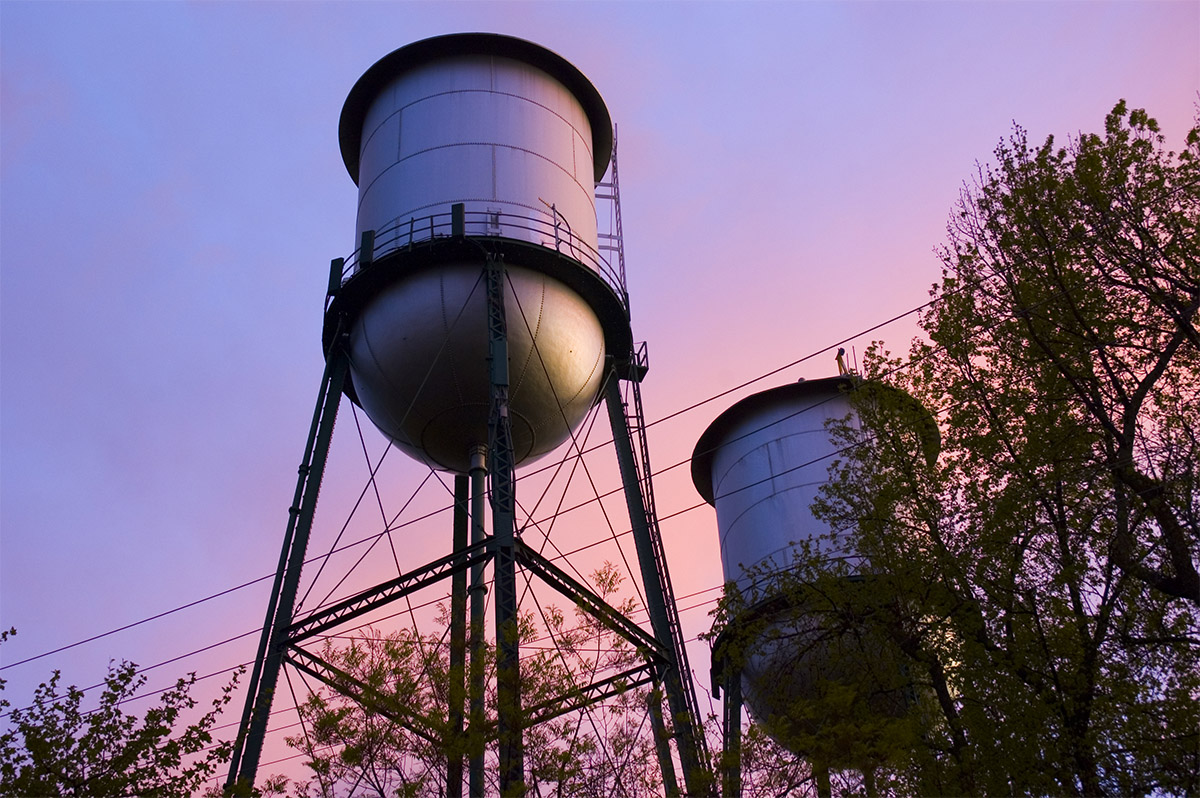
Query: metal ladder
{"x": 635, "y": 421}
{"x": 613, "y": 241}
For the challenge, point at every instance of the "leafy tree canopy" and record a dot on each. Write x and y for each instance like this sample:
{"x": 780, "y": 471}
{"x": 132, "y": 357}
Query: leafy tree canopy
{"x": 1036, "y": 583}
{"x": 400, "y": 742}
{"x": 55, "y": 747}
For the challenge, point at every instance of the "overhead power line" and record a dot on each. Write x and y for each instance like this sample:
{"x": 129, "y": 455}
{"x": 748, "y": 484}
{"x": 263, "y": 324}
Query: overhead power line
{"x": 597, "y": 498}
{"x": 138, "y": 623}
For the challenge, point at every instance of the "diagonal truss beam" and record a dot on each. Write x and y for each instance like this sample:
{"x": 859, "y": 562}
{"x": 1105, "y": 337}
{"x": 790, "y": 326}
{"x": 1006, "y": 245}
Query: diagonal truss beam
{"x": 388, "y": 707}
{"x": 598, "y": 608}
{"x": 362, "y": 693}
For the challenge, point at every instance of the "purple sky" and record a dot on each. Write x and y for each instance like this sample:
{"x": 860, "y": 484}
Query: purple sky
{"x": 172, "y": 193}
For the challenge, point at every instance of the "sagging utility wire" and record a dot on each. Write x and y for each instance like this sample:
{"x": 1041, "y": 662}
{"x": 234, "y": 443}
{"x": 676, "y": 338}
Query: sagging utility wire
{"x": 689, "y": 408}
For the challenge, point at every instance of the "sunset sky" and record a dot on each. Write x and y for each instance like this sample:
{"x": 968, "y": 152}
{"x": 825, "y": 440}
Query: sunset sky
{"x": 172, "y": 192}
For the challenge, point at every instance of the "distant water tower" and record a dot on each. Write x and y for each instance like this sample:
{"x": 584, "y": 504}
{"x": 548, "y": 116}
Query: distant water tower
{"x": 476, "y": 324}
{"x": 761, "y": 464}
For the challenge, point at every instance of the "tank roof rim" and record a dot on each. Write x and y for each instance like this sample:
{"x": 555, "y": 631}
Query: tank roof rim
{"x": 358, "y": 101}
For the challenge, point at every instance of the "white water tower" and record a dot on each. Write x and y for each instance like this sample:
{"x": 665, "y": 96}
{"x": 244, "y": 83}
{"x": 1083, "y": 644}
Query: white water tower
{"x": 477, "y": 324}
{"x": 761, "y": 464}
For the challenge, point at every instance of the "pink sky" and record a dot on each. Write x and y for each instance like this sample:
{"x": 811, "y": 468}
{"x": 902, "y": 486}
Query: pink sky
{"x": 172, "y": 193}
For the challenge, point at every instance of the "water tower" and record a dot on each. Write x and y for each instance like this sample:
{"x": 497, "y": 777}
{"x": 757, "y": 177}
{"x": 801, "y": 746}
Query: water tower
{"x": 476, "y": 324}
{"x": 761, "y": 464}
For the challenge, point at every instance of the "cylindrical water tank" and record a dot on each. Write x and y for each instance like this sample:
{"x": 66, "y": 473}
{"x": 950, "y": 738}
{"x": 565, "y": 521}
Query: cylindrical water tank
{"x": 761, "y": 464}
{"x": 504, "y": 126}
{"x": 516, "y": 138}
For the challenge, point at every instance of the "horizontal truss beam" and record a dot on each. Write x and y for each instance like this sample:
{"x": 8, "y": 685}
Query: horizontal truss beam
{"x": 389, "y": 591}
{"x": 586, "y": 696}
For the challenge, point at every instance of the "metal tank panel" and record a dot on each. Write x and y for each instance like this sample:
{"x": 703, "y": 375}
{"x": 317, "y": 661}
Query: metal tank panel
{"x": 419, "y": 349}
{"x": 493, "y": 133}
{"x": 761, "y": 464}
{"x": 795, "y": 660}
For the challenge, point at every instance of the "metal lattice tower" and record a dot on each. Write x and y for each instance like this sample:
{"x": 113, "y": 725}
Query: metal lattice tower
{"x": 503, "y": 249}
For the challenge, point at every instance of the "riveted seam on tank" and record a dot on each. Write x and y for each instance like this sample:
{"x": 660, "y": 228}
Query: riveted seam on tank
{"x": 514, "y": 96}
{"x": 757, "y": 580}
{"x": 495, "y": 181}
{"x": 733, "y": 522}
{"x": 587, "y": 380}
{"x": 718, "y": 481}
{"x": 362, "y": 146}
{"x": 570, "y": 125}
{"x": 366, "y": 93}
{"x": 411, "y": 212}
{"x": 559, "y": 401}
{"x": 589, "y": 193}
{"x": 575, "y": 131}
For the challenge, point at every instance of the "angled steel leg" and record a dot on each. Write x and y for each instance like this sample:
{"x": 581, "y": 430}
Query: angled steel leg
{"x": 261, "y": 689}
{"x": 654, "y": 578}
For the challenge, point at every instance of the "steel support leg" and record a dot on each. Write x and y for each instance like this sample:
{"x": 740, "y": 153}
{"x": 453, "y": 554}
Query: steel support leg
{"x": 731, "y": 753}
{"x": 475, "y": 729}
{"x": 662, "y": 746}
{"x": 458, "y": 645}
{"x": 261, "y": 689}
{"x": 508, "y": 652}
{"x": 694, "y": 772}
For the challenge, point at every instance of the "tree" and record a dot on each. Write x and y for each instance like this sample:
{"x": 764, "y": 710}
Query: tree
{"x": 54, "y": 747}
{"x": 356, "y": 749}
{"x": 1086, "y": 259}
{"x": 1039, "y": 580}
